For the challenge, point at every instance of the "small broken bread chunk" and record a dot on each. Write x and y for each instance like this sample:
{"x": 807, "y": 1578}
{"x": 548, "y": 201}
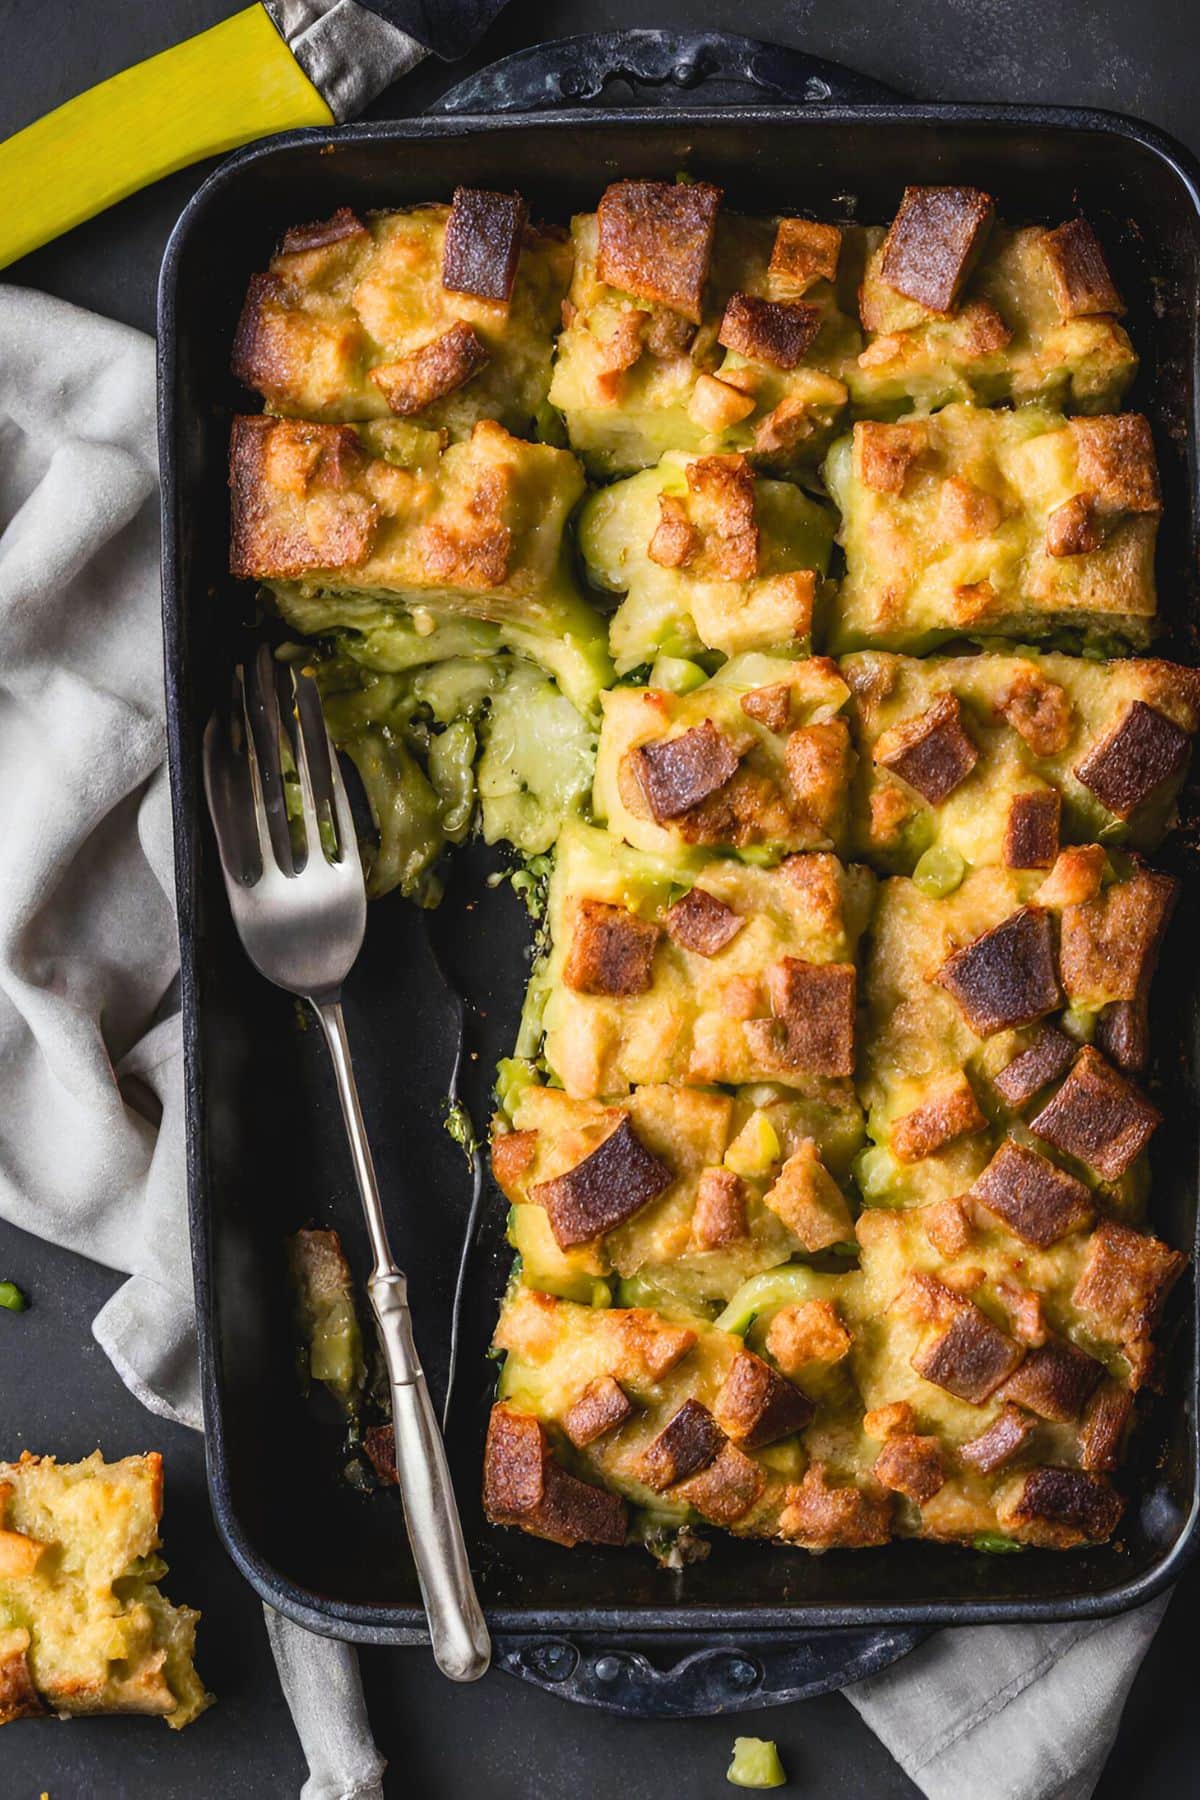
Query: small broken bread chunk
{"x": 1097, "y": 1117}
{"x": 950, "y": 1112}
{"x": 1082, "y": 282}
{"x": 1103, "y": 1426}
{"x": 483, "y": 243}
{"x": 887, "y": 454}
{"x": 600, "y": 1408}
{"x": 911, "y": 1465}
{"x": 1006, "y": 976}
{"x": 524, "y": 1485}
{"x": 1055, "y": 1380}
{"x": 655, "y": 241}
{"x": 968, "y": 1356}
{"x": 770, "y": 706}
{"x": 1031, "y": 831}
{"x": 809, "y": 1201}
{"x": 612, "y": 951}
{"x": 804, "y": 251}
{"x": 934, "y": 242}
{"x": 813, "y": 1025}
{"x": 933, "y": 753}
{"x": 1125, "y": 1281}
{"x": 822, "y": 1516}
{"x": 702, "y": 923}
{"x": 756, "y": 1406}
{"x": 720, "y": 1217}
{"x": 1074, "y": 528}
{"x": 83, "y": 1626}
{"x": 1060, "y": 1508}
{"x": 1049, "y": 1055}
{"x": 771, "y": 331}
{"x": 689, "y": 1443}
{"x": 812, "y": 1332}
{"x": 412, "y": 383}
{"x": 1039, "y": 1202}
{"x": 1003, "y": 1439}
{"x": 677, "y": 773}
{"x": 725, "y": 1491}
{"x": 604, "y": 1190}
{"x": 1140, "y": 753}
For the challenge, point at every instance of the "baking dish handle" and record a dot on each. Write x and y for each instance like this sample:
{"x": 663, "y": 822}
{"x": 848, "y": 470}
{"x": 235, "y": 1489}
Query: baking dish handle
{"x": 675, "y": 1680}
{"x": 664, "y": 68}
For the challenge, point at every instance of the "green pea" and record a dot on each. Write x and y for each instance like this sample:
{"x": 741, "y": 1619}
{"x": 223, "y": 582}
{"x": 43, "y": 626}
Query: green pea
{"x": 677, "y": 674}
{"x": 11, "y": 1297}
{"x": 939, "y": 872}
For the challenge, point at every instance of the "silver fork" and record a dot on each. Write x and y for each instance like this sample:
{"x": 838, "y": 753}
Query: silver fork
{"x": 301, "y": 912}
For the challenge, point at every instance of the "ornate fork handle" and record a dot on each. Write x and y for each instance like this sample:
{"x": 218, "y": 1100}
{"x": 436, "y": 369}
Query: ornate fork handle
{"x": 458, "y": 1633}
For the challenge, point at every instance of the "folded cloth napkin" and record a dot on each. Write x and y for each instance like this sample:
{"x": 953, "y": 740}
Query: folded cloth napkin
{"x": 91, "y": 1090}
{"x": 91, "y": 1105}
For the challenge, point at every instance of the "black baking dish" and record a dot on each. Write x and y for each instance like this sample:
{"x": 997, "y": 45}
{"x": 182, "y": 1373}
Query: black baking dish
{"x": 265, "y": 1146}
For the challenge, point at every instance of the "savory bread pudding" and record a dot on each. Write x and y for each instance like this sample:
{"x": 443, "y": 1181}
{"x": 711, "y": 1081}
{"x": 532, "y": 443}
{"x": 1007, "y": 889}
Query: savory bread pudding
{"x": 781, "y": 590}
{"x": 84, "y": 1627}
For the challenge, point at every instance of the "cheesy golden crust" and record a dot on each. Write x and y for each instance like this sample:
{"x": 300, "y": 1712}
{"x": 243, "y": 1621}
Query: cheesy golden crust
{"x": 83, "y": 1627}
{"x": 742, "y": 349}
{"x": 707, "y": 557}
{"x": 384, "y": 514}
{"x": 956, "y": 1000}
{"x": 789, "y": 786}
{"x": 721, "y": 1215}
{"x": 342, "y": 304}
{"x": 967, "y": 549}
{"x": 706, "y": 1018}
{"x": 1001, "y": 314}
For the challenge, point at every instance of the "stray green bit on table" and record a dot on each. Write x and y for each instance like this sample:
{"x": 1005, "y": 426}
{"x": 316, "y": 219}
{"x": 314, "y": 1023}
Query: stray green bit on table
{"x": 755, "y": 1764}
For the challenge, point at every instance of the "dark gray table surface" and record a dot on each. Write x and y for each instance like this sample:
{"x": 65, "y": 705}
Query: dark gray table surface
{"x": 501, "y": 1740}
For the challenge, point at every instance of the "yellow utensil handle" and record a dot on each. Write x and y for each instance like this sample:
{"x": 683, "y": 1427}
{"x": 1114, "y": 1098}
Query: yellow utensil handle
{"x": 236, "y": 82}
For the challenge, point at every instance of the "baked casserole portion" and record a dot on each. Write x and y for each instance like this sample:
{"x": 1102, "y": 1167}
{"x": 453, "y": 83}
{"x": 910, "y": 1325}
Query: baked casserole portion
{"x": 682, "y": 1421}
{"x": 783, "y": 721}
{"x": 826, "y": 1191}
{"x": 83, "y": 1625}
{"x": 974, "y": 761}
{"x": 383, "y": 517}
{"x": 734, "y": 974}
{"x": 999, "y": 1374}
{"x": 441, "y": 314}
{"x": 1014, "y": 1008}
{"x": 708, "y": 557}
{"x": 980, "y": 524}
{"x": 695, "y": 329}
{"x": 958, "y": 307}
{"x": 671, "y": 1194}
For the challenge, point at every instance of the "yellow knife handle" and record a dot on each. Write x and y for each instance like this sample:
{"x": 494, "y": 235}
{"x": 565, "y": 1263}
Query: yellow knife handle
{"x": 236, "y": 82}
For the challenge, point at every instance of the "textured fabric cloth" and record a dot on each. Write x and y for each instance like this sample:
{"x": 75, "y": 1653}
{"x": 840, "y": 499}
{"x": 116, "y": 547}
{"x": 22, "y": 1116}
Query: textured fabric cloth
{"x": 91, "y": 1088}
{"x": 1009, "y": 1712}
{"x": 91, "y": 1103}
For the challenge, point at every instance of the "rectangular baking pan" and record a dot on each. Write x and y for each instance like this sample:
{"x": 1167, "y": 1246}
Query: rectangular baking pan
{"x": 265, "y": 1147}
